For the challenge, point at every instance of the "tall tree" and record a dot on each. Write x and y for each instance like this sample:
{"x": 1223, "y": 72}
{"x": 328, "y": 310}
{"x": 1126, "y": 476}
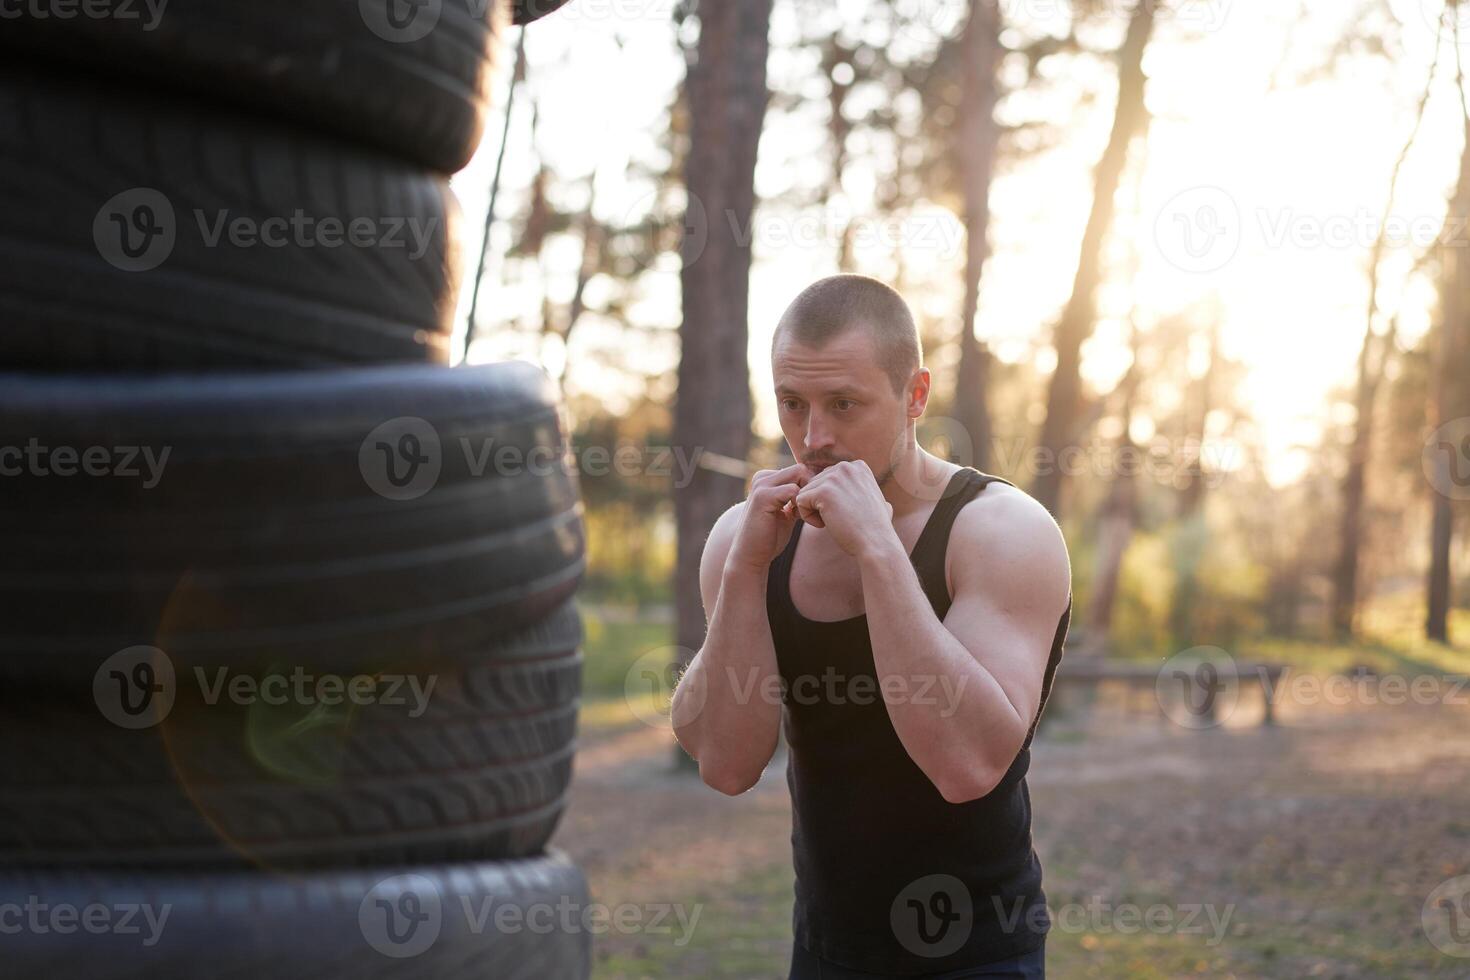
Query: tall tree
{"x": 727, "y": 97}
{"x": 1192, "y": 531}
{"x": 1119, "y": 512}
{"x": 1448, "y": 395}
{"x": 1373, "y": 359}
{"x": 1130, "y": 120}
{"x": 839, "y": 69}
{"x": 978, "y": 139}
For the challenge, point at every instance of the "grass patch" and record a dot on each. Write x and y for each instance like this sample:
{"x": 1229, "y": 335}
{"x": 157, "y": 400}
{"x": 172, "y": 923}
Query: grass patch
{"x": 1135, "y": 956}
{"x": 612, "y": 649}
{"x": 611, "y": 716}
{"x": 743, "y": 931}
{"x": 616, "y": 695}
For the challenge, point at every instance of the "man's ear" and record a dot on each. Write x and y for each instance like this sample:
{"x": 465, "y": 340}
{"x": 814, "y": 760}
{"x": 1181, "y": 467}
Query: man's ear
{"x": 918, "y": 392}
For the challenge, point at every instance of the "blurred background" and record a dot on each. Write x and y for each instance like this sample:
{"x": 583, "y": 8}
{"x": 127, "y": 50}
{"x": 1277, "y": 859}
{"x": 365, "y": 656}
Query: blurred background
{"x": 1191, "y": 272}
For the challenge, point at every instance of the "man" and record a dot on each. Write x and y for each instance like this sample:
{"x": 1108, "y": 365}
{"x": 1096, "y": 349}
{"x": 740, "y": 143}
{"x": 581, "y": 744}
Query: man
{"x": 910, "y": 615}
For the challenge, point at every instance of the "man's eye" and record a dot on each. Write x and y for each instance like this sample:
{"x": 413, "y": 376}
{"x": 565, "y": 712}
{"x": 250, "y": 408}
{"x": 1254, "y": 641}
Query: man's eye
{"x": 789, "y": 405}
{"x": 848, "y": 402}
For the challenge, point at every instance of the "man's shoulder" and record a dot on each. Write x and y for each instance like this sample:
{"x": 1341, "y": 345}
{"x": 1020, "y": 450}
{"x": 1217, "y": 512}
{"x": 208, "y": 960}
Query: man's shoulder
{"x": 1005, "y": 529}
{"x": 725, "y": 525}
{"x": 1000, "y": 506}
{"x": 722, "y": 534}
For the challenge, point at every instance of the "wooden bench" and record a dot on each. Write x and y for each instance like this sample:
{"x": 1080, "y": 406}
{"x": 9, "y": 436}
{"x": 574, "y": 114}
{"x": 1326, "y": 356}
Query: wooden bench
{"x": 1093, "y": 672}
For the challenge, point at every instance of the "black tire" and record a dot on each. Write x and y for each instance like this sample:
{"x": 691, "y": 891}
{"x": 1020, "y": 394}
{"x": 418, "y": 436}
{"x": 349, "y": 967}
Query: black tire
{"x": 266, "y": 537}
{"x": 419, "y": 90}
{"x": 526, "y": 11}
{"x": 140, "y": 232}
{"x": 308, "y": 927}
{"x": 472, "y": 763}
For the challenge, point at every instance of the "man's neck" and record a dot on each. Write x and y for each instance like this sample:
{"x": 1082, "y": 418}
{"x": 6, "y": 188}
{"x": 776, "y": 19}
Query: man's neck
{"x": 917, "y": 482}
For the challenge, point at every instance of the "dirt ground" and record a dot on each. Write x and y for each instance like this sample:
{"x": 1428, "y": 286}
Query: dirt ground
{"x": 1315, "y": 844}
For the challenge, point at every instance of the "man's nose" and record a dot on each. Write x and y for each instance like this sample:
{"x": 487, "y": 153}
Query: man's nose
{"x": 818, "y": 433}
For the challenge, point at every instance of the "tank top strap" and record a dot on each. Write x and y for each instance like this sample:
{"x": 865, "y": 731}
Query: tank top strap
{"x": 778, "y": 583}
{"x": 929, "y": 552}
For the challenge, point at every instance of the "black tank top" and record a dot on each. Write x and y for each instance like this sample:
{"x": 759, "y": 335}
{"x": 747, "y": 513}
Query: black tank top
{"x": 890, "y": 877}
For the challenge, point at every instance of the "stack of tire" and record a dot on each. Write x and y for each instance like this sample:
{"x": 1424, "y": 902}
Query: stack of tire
{"x": 289, "y": 654}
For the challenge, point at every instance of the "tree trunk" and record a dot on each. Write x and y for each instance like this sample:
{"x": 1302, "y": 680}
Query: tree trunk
{"x": 1345, "y": 574}
{"x": 1448, "y": 396}
{"x": 980, "y": 46}
{"x": 1192, "y": 532}
{"x": 727, "y": 97}
{"x": 838, "y": 129}
{"x": 1118, "y": 518}
{"x": 1354, "y": 485}
{"x": 1130, "y": 119}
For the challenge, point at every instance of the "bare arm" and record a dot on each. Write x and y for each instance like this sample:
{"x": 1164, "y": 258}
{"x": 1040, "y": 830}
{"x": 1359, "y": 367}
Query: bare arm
{"x": 986, "y": 660}
{"x": 726, "y": 709}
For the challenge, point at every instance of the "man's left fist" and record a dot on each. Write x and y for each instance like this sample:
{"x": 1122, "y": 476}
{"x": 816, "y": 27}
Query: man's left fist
{"x": 844, "y": 500}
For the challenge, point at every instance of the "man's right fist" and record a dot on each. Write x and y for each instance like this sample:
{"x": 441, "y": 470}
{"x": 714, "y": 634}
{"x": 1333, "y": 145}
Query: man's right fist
{"x": 769, "y": 517}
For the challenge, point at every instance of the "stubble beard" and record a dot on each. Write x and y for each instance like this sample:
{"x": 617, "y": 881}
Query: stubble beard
{"x": 893, "y": 466}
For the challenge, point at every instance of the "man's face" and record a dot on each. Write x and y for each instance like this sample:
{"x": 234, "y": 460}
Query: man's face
{"x": 836, "y": 404}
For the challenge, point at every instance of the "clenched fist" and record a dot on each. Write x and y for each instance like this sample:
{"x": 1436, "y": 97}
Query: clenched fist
{"x": 845, "y": 501}
{"x": 769, "y": 517}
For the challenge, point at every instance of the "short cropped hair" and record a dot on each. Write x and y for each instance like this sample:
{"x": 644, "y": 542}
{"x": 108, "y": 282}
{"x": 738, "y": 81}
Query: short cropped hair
{"x": 830, "y": 307}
